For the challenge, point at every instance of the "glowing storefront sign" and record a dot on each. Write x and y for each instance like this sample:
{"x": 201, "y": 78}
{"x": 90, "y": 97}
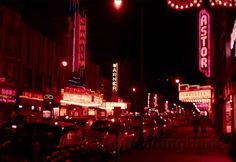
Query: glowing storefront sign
{"x": 204, "y": 42}
{"x": 7, "y": 95}
{"x": 115, "y": 77}
{"x": 80, "y": 99}
{"x": 111, "y": 105}
{"x": 203, "y": 95}
{"x": 32, "y": 95}
{"x": 82, "y": 41}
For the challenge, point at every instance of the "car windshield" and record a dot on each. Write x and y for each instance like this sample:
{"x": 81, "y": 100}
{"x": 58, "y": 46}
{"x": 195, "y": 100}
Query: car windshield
{"x": 106, "y": 126}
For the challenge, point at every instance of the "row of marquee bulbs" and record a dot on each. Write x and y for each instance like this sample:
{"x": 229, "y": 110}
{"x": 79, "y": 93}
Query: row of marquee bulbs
{"x": 186, "y": 4}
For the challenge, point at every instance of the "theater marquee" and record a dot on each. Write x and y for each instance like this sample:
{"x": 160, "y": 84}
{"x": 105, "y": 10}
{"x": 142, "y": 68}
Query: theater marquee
{"x": 204, "y": 43}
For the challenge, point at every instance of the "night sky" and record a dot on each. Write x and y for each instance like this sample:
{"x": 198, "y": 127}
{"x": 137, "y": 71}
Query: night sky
{"x": 169, "y": 44}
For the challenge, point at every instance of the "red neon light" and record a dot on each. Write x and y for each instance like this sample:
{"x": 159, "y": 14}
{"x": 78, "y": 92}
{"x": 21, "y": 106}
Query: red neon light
{"x": 223, "y": 3}
{"x": 184, "y": 4}
{"x": 75, "y": 61}
{"x": 82, "y": 41}
{"x": 204, "y": 42}
{"x": 7, "y": 92}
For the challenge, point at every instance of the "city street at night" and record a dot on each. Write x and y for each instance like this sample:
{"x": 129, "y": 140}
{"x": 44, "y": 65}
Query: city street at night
{"x": 180, "y": 145}
{"x": 117, "y": 80}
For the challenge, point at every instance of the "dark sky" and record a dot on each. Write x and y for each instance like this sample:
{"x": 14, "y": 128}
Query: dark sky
{"x": 169, "y": 44}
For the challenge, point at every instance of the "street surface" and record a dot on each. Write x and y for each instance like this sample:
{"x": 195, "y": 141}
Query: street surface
{"x": 180, "y": 145}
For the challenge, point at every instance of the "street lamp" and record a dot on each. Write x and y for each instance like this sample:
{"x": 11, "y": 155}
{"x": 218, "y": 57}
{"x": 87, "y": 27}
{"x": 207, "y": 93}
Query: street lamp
{"x": 64, "y": 63}
{"x": 117, "y": 4}
{"x": 133, "y": 89}
{"x": 142, "y": 90}
{"x": 63, "y": 73}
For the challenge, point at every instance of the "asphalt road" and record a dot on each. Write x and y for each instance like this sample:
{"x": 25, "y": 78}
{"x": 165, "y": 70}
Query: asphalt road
{"x": 180, "y": 145}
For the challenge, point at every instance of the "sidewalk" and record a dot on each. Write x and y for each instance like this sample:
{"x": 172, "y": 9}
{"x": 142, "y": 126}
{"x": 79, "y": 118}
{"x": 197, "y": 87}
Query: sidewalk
{"x": 180, "y": 145}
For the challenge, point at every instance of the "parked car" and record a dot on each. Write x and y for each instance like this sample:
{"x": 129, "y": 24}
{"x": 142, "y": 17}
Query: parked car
{"x": 8, "y": 128}
{"x": 84, "y": 122}
{"x": 50, "y": 141}
{"x": 106, "y": 132}
{"x": 148, "y": 127}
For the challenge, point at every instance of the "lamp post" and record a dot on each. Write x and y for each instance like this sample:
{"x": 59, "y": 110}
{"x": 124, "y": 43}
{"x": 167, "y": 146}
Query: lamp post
{"x": 63, "y": 74}
{"x": 141, "y": 94}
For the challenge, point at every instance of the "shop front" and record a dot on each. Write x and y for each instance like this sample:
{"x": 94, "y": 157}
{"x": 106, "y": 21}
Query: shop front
{"x": 77, "y": 102}
{"x": 42, "y": 105}
{"x": 110, "y": 106}
{"x": 30, "y": 104}
{"x": 8, "y": 101}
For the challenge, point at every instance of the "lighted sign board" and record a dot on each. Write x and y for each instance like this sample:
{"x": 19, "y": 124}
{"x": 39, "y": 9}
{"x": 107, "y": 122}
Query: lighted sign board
{"x": 81, "y": 99}
{"x": 204, "y": 43}
{"x": 82, "y": 41}
{"x": 195, "y": 93}
{"x": 7, "y": 95}
{"x": 202, "y": 106}
{"x": 115, "y": 77}
{"x": 112, "y": 105}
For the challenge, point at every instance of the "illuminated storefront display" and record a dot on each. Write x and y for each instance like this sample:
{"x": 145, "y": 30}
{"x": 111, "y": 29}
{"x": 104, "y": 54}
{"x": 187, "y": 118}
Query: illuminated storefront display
{"x": 31, "y": 98}
{"x": 195, "y": 96}
{"x": 7, "y": 95}
{"x": 204, "y": 43}
{"x": 109, "y": 106}
{"x": 201, "y": 96}
{"x": 81, "y": 97}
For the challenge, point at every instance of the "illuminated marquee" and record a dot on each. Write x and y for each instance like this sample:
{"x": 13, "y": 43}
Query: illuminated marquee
{"x": 195, "y": 93}
{"x": 223, "y": 3}
{"x": 204, "y": 43}
{"x": 115, "y": 77}
{"x": 81, "y": 100}
{"x": 184, "y": 4}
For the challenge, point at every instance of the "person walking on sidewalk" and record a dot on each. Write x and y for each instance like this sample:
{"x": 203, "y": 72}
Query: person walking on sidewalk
{"x": 195, "y": 124}
{"x": 203, "y": 125}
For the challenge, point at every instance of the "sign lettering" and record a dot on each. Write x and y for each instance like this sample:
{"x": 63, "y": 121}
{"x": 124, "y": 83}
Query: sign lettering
{"x": 204, "y": 42}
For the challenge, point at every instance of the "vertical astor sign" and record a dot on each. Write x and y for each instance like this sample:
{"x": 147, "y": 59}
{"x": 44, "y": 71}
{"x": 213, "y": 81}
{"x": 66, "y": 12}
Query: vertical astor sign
{"x": 204, "y": 43}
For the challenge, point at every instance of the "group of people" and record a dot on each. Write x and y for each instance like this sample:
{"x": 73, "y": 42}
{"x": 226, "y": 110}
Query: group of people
{"x": 199, "y": 121}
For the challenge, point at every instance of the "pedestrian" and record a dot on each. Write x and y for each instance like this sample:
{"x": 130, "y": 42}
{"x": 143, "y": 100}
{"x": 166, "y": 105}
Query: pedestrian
{"x": 203, "y": 125}
{"x": 195, "y": 124}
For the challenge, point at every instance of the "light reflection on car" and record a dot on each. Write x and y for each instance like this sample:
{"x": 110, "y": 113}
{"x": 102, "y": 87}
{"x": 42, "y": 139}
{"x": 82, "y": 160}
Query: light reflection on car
{"x": 50, "y": 141}
{"x": 104, "y": 131}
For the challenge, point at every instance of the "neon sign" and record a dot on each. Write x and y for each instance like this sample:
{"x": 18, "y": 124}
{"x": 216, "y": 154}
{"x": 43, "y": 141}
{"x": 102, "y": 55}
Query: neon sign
{"x": 204, "y": 43}
{"x": 184, "y": 4}
{"x": 7, "y": 95}
{"x": 115, "y": 77}
{"x": 82, "y": 41}
{"x": 195, "y": 93}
